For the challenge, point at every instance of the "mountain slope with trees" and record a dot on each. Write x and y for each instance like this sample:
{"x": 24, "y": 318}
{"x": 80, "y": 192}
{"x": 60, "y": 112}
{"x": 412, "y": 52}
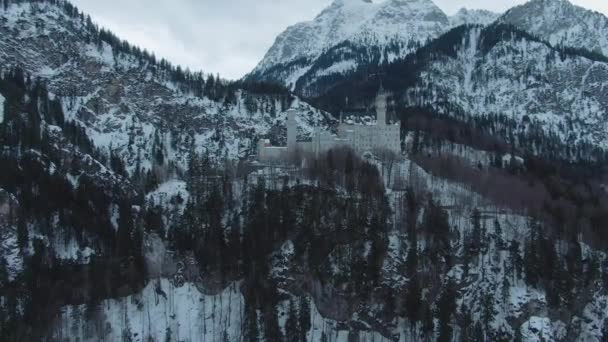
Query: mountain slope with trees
{"x": 561, "y": 23}
{"x": 143, "y": 109}
{"x": 129, "y": 209}
{"x": 547, "y": 100}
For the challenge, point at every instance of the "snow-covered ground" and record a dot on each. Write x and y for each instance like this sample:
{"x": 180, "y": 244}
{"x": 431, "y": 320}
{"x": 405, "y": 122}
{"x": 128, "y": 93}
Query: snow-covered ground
{"x": 162, "y": 310}
{"x": 172, "y": 193}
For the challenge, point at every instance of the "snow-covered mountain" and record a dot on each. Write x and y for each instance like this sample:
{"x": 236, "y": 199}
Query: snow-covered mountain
{"x": 473, "y": 72}
{"x": 473, "y": 16}
{"x": 494, "y": 71}
{"x": 128, "y": 105}
{"x": 561, "y": 23}
{"x": 352, "y": 33}
{"x": 465, "y": 236}
{"x": 358, "y": 21}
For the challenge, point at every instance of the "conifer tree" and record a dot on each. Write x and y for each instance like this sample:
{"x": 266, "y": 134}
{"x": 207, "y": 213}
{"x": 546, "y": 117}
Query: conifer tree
{"x": 413, "y": 300}
{"x": 476, "y": 236}
{"x": 22, "y": 230}
{"x": 125, "y": 230}
{"x": 304, "y": 317}
{"x": 446, "y": 307}
{"x": 292, "y": 328}
{"x": 251, "y": 323}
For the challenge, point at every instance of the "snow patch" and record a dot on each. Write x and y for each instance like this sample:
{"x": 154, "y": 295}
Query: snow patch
{"x": 168, "y": 192}
{"x": 161, "y": 311}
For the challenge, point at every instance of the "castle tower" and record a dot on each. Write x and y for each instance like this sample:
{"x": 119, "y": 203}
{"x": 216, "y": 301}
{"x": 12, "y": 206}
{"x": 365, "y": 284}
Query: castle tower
{"x": 292, "y": 131}
{"x": 381, "y": 106}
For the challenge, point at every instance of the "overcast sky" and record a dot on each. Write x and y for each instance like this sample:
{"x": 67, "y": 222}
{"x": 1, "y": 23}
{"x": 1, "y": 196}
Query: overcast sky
{"x": 229, "y": 36}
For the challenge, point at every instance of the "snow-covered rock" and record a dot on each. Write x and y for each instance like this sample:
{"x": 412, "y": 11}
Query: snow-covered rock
{"x": 561, "y": 23}
{"x": 162, "y": 311}
{"x": 493, "y": 70}
{"x": 352, "y": 33}
{"x": 473, "y": 16}
{"x": 357, "y": 21}
{"x": 128, "y": 106}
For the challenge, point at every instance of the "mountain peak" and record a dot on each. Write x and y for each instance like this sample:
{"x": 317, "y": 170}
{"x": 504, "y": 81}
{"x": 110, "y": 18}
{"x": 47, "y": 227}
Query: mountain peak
{"x": 399, "y": 24}
{"x": 561, "y": 23}
{"x": 473, "y": 16}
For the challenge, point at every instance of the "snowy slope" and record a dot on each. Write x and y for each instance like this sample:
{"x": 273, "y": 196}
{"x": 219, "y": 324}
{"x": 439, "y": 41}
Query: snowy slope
{"x": 473, "y": 16}
{"x": 518, "y": 77}
{"x": 357, "y": 21}
{"x": 126, "y": 105}
{"x": 561, "y": 23}
{"x": 185, "y": 311}
{"x": 347, "y": 34}
{"x": 352, "y": 33}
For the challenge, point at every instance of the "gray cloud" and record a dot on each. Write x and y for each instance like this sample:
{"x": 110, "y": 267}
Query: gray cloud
{"x": 228, "y": 36}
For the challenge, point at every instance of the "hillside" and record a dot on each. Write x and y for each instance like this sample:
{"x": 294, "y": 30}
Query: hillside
{"x": 561, "y": 23}
{"x": 130, "y": 103}
{"x": 498, "y": 73}
{"x": 132, "y": 207}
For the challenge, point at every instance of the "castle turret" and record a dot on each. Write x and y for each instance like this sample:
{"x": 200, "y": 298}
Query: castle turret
{"x": 381, "y": 106}
{"x": 292, "y": 130}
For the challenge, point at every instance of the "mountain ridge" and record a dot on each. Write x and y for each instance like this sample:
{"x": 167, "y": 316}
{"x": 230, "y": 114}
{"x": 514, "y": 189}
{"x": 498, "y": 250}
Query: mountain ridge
{"x": 393, "y": 27}
{"x": 561, "y": 23}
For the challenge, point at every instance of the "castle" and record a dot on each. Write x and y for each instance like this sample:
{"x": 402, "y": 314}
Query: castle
{"x": 362, "y": 138}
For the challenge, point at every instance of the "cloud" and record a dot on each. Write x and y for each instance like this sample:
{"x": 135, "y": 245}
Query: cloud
{"x": 228, "y": 36}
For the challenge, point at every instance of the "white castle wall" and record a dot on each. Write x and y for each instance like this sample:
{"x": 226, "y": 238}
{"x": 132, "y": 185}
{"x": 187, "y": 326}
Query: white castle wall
{"x": 361, "y": 138}
{"x": 371, "y": 138}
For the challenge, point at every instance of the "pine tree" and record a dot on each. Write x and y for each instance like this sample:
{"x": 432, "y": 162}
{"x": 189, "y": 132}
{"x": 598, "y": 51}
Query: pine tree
{"x": 446, "y": 307}
{"x": 272, "y": 332}
{"x": 413, "y": 300}
{"x": 506, "y": 292}
{"x": 304, "y": 317}
{"x": 487, "y": 311}
{"x": 251, "y": 324}
{"x": 478, "y": 334}
{"x": 516, "y": 259}
{"x": 124, "y": 244}
{"x": 437, "y": 225}
{"x": 22, "y": 230}
{"x": 428, "y": 326}
{"x": 3, "y": 277}
{"x": 499, "y": 237}
{"x": 412, "y": 256}
{"x": 476, "y": 236}
{"x": 412, "y": 234}
{"x": 466, "y": 324}
{"x": 605, "y": 331}
{"x": 292, "y": 327}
